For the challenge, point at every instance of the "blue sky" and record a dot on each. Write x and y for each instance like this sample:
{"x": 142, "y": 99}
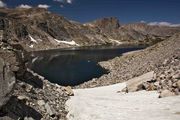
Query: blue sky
{"x": 127, "y": 11}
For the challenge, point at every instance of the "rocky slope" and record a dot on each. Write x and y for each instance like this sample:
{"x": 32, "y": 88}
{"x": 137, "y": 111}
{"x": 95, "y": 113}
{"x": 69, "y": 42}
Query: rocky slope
{"x": 132, "y": 65}
{"x": 38, "y": 29}
{"x": 25, "y": 94}
{"x": 166, "y": 79}
{"x": 7, "y": 77}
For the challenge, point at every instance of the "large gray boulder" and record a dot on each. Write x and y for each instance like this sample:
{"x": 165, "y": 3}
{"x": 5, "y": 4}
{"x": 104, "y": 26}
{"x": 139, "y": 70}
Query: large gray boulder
{"x": 134, "y": 83}
{"x": 7, "y": 81}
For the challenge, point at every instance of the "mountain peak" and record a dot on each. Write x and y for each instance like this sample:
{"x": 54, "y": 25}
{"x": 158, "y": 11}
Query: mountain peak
{"x": 107, "y": 23}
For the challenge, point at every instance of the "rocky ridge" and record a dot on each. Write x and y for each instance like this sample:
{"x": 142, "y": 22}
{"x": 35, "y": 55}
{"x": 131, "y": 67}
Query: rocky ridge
{"x": 138, "y": 33}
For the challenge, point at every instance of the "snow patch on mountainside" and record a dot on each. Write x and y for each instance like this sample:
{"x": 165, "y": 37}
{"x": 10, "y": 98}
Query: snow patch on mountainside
{"x": 66, "y": 42}
{"x": 104, "y": 103}
{"x": 32, "y": 39}
{"x": 116, "y": 41}
{"x": 31, "y": 46}
{"x": 89, "y": 24}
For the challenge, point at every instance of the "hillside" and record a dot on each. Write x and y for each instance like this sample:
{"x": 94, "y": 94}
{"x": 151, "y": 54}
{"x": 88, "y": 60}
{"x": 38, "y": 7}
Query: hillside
{"x": 132, "y": 65}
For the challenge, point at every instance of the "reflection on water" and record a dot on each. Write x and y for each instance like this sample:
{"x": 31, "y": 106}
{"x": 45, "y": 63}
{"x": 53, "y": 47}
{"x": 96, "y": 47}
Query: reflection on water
{"x": 75, "y": 66}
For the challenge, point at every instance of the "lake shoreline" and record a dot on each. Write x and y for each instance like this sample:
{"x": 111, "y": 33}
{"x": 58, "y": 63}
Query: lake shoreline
{"x": 131, "y": 65}
{"x": 69, "y": 67}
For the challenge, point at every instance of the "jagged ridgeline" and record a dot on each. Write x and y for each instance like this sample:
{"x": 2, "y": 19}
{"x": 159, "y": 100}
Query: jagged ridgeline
{"x": 37, "y": 29}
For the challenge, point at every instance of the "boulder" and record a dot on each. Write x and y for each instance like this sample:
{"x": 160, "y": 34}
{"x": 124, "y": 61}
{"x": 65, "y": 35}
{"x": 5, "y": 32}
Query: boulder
{"x": 134, "y": 83}
{"x": 176, "y": 76}
{"x": 178, "y": 84}
{"x": 28, "y": 118}
{"x": 7, "y": 81}
{"x": 68, "y": 91}
{"x": 40, "y": 102}
{"x": 23, "y": 97}
{"x": 177, "y": 91}
{"x": 166, "y": 93}
{"x": 49, "y": 109}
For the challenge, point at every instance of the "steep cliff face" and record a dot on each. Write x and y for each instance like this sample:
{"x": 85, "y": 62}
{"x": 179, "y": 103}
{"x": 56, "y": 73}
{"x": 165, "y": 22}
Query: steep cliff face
{"x": 106, "y": 24}
{"x": 7, "y": 77}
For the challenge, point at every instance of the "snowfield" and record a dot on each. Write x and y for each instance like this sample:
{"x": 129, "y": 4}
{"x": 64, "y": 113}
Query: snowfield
{"x": 66, "y": 42}
{"x": 105, "y": 103}
{"x": 116, "y": 41}
{"x": 32, "y": 39}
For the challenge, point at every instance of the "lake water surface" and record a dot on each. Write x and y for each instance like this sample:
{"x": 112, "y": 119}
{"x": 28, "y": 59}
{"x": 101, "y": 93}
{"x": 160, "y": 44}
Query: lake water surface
{"x": 74, "y": 66}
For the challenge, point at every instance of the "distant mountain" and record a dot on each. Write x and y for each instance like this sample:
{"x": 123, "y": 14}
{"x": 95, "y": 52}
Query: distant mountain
{"x": 37, "y": 29}
{"x": 134, "y": 33}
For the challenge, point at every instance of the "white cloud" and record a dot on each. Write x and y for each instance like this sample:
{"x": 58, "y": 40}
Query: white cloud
{"x": 69, "y": 1}
{"x": 64, "y": 1}
{"x": 24, "y": 6}
{"x": 43, "y": 6}
{"x": 59, "y": 0}
{"x": 164, "y": 24}
{"x": 2, "y": 4}
{"x": 142, "y": 21}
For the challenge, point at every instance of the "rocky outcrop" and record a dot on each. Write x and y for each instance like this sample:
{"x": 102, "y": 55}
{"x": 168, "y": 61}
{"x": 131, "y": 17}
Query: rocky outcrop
{"x": 7, "y": 80}
{"x": 106, "y": 24}
{"x": 7, "y": 76}
{"x": 68, "y": 91}
{"x": 133, "y": 84}
{"x": 46, "y": 103}
{"x": 25, "y": 94}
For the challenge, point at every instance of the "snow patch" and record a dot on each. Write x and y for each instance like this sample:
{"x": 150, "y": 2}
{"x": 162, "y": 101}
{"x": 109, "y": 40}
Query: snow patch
{"x": 66, "y": 42}
{"x": 163, "y": 24}
{"x": 116, "y": 41}
{"x": 104, "y": 103}
{"x": 33, "y": 60}
{"x": 89, "y": 24}
{"x": 39, "y": 40}
{"x": 32, "y": 39}
{"x": 31, "y": 46}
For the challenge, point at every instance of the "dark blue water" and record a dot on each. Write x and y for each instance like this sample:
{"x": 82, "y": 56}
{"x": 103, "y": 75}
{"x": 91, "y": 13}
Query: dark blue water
{"x": 75, "y": 65}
